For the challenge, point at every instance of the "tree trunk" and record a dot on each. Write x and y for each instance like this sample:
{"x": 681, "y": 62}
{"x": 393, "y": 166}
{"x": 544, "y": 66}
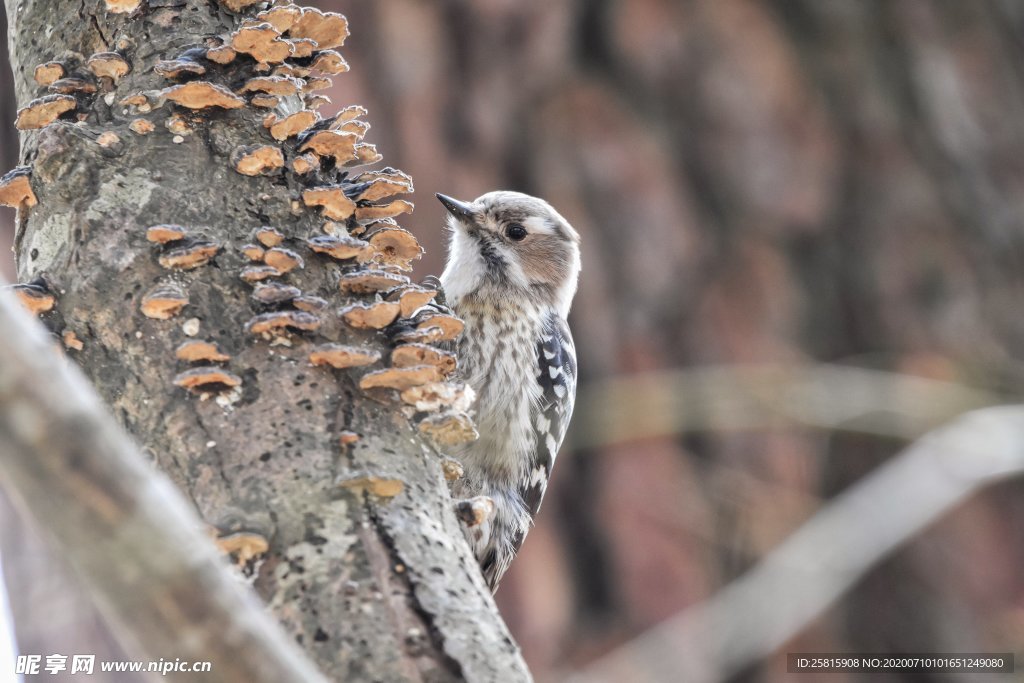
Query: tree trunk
{"x": 365, "y": 565}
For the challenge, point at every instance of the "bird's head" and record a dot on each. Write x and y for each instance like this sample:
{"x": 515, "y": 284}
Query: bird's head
{"x": 509, "y": 241}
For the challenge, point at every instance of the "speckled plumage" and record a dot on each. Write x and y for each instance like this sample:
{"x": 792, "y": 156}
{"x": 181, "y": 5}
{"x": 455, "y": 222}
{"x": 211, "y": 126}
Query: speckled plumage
{"x": 516, "y": 353}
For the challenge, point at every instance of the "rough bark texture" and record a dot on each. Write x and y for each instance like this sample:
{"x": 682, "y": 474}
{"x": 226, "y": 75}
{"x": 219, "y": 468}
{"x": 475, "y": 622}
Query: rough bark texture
{"x": 373, "y": 587}
{"x": 166, "y": 592}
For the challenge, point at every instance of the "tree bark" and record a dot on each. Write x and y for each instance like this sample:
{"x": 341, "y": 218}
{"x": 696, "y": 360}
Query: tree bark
{"x": 373, "y": 580}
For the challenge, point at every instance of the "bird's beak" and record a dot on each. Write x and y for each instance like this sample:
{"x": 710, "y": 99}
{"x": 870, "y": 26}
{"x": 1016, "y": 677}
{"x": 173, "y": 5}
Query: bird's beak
{"x": 456, "y": 208}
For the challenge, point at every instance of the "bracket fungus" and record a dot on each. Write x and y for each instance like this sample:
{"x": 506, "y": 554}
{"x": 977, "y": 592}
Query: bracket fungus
{"x": 189, "y": 256}
{"x": 449, "y": 429}
{"x": 340, "y": 247}
{"x": 223, "y": 54}
{"x": 411, "y": 298}
{"x": 259, "y": 273}
{"x": 294, "y": 124}
{"x": 243, "y": 546}
{"x": 342, "y": 356}
{"x": 302, "y": 47}
{"x": 282, "y": 320}
{"x": 452, "y": 469}
{"x": 109, "y": 65}
{"x": 437, "y": 395}
{"x": 47, "y": 73}
{"x": 122, "y": 6}
{"x": 395, "y": 208}
{"x": 450, "y": 326}
{"x": 203, "y": 94}
{"x": 34, "y": 297}
{"x": 367, "y": 154}
{"x": 400, "y": 378}
{"x": 16, "y": 188}
{"x": 305, "y": 163}
{"x": 281, "y": 86}
{"x": 271, "y": 293}
{"x": 281, "y": 17}
{"x": 285, "y": 260}
{"x": 264, "y": 101}
{"x": 177, "y": 68}
{"x": 375, "y": 316}
{"x": 43, "y": 111}
{"x": 72, "y": 85}
{"x": 195, "y": 350}
{"x": 331, "y": 199}
{"x": 328, "y": 29}
{"x": 308, "y": 302}
{"x": 369, "y": 281}
{"x": 317, "y": 101}
{"x": 164, "y": 301}
{"x": 381, "y": 487}
{"x": 253, "y": 252}
{"x": 262, "y": 42}
{"x": 162, "y": 234}
{"x": 257, "y": 160}
{"x": 269, "y": 237}
{"x": 142, "y": 126}
{"x": 239, "y": 5}
{"x": 329, "y": 62}
{"x": 408, "y": 355}
{"x": 71, "y": 340}
{"x": 395, "y": 247}
{"x": 384, "y": 185}
{"x": 332, "y": 143}
{"x": 206, "y": 379}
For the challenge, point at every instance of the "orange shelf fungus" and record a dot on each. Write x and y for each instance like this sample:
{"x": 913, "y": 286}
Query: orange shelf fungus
{"x": 450, "y": 326}
{"x": 282, "y": 320}
{"x": 395, "y": 247}
{"x": 164, "y": 301}
{"x": 70, "y": 86}
{"x": 202, "y": 95}
{"x": 109, "y": 65}
{"x": 332, "y": 143}
{"x": 196, "y": 350}
{"x": 369, "y": 281}
{"x": 285, "y": 260}
{"x": 408, "y": 355}
{"x": 366, "y": 154}
{"x": 262, "y": 42}
{"x": 162, "y": 234}
{"x": 189, "y": 256}
{"x": 264, "y": 101}
{"x": 411, "y": 298}
{"x": 395, "y": 208}
{"x": 305, "y": 163}
{"x": 122, "y": 6}
{"x": 302, "y": 47}
{"x": 400, "y": 378}
{"x": 329, "y": 62}
{"x": 281, "y": 17}
{"x": 275, "y": 293}
{"x": 449, "y": 429}
{"x": 269, "y": 237}
{"x": 452, "y": 469}
{"x": 308, "y": 302}
{"x": 36, "y": 299}
{"x": 207, "y": 378}
{"x": 257, "y": 160}
{"x": 71, "y": 340}
{"x": 48, "y": 73}
{"x": 142, "y": 126}
{"x": 281, "y": 86}
{"x": 253, "y": 252}
{"x": 341, "y": 356}
{"x": 340, "y": 247}
{"x": 16, "y": 188}
{"x": 243, "y": 546}
{"x": 293, "y": 125}
{"x": 176, "y": 68}
{"x": 224, "y": 54}
{"x": 44, "y": 111}
{"x": 374, "y": 316}
{"x": 239, "y": 5}
{"x": 328, "y": 29}
{"x": 331, "y": 199}
{"x": 437, "y": 395}
{"x": 381, "y": 487}
{"x": 258, "y": 273}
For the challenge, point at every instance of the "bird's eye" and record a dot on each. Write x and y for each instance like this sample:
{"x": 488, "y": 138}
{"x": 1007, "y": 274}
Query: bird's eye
{"x": 515, "y": 232}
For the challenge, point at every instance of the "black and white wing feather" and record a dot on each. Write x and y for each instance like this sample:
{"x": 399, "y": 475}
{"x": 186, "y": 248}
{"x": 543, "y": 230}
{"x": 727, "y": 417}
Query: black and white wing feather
{"x": 556, "y": 374}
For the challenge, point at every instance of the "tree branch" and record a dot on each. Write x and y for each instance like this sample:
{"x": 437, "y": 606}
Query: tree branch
{"x": 122, "y": 524}
{"x": 804, "y": 575}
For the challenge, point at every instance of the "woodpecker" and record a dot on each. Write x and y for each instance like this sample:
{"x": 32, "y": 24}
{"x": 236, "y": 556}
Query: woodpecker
{"x": 513, "y": 264}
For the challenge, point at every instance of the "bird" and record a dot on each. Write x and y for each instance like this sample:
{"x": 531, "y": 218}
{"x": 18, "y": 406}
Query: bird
{"x": 511, "y": 274}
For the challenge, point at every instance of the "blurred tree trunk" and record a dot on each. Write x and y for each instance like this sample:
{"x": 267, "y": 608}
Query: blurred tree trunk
{"x": 754, "y": 182}
{"x": 364, "y": 563}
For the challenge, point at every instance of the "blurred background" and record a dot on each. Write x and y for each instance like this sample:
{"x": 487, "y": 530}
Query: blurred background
{"x": 803, "y": 229}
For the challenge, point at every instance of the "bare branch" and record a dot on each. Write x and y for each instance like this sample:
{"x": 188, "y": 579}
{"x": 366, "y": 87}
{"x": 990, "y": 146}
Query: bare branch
{"x": 804, "y": 575}
{"x": 122, "y": 524}
{"x": 739, "y": 397}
